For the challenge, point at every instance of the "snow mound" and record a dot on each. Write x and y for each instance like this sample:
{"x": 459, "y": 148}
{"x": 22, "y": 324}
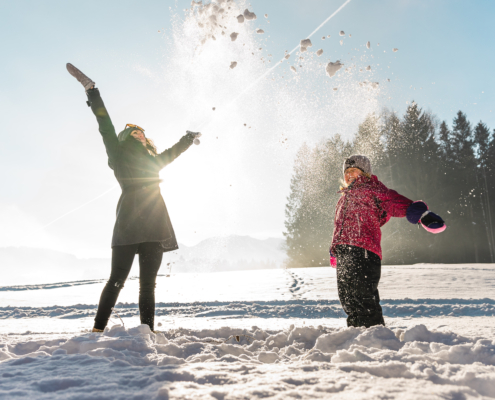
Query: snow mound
{"x": 305, "y": 43}
{"x": 126, "y": 363}
{"x": 319, "y": 52}
{"x": 333, "y": 67}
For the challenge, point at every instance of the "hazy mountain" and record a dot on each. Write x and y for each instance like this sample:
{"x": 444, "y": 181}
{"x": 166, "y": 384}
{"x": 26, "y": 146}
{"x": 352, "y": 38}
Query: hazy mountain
{"x": 25, "y": 266}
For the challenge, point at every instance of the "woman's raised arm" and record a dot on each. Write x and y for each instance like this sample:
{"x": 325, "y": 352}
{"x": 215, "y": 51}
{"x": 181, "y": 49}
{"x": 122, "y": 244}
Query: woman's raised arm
{"x": 105, "y": 125}
{"x": 169, "y": 155}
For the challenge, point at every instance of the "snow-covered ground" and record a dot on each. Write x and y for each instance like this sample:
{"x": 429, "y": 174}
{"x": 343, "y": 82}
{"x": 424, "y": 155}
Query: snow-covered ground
{"x": 292, "y": 340}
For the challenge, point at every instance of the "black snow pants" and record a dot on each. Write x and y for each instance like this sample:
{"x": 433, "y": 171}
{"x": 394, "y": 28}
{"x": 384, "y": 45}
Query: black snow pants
{"x": 150, "y": 259}
{"x": 358, "y": 274}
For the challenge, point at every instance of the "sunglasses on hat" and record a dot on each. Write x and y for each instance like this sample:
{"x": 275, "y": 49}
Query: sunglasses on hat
{"x": 134, "y": 126}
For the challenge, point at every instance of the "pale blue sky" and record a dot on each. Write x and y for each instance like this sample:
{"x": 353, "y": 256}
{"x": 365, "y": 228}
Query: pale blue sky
{"x": 52, "y": 158}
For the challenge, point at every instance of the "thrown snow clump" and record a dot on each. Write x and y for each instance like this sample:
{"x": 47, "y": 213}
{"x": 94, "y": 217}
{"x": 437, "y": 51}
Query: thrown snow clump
{"x": 335, "y": 88}
{"x": 395, "y": 50}
{"x": 372, "y": 85}
{"x": 323, "y": 38}
{"x": 287, "y": 56}
{"x": 233, "y": 64}
{"x": 233, "y": 36}
{"x": 249, "y": 15}
{"x": 319, "y": 52}
{"x": 333, "y": 67}
{"x": 368, "y": 45}
{"x": 342, "y": 33}
{"x": 240, "y": 18}
{"x": 196, "y": 141}
{"x": 368, "y": 68}
{"x": 266, "y": 15}
{"x": 305, "y": 43}
{"x": 341, "y": 42}
{"x": 293, "y": 69}
{"x": 260, "y": 31}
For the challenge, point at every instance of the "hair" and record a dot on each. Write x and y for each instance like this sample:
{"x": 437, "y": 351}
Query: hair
{"x": 150, "y": 146}
{"x": 344, "y": 185}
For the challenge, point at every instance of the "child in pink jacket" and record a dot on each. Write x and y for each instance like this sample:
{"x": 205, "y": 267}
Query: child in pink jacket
{"x": 365, "y": 206}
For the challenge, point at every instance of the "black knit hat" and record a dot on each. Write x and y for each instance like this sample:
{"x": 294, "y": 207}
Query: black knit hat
{"x": 126, "y": 133}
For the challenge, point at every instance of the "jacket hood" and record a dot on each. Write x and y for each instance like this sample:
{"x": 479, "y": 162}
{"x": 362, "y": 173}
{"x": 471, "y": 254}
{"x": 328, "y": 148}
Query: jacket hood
{"x": 361, "y": 181}
{"x": 126, "y": 133}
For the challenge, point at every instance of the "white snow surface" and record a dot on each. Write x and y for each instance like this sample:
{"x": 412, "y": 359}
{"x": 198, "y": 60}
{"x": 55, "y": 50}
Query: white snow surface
{"x": 333, "y": 67}
{"x": 291, "y": 342}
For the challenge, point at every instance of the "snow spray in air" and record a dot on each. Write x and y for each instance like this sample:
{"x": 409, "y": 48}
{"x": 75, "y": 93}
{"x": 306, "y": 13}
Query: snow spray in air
{"x": 248, "y": 146}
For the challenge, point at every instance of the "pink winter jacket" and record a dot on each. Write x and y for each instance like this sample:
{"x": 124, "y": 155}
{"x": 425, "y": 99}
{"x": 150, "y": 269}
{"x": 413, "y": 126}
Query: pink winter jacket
{"x": 363, "y": 208}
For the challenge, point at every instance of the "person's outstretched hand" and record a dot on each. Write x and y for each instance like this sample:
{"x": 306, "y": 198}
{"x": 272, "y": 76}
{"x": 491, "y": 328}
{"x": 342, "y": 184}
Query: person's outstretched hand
{"x": 195, "y": 136}
{"x": 418, "y": 213}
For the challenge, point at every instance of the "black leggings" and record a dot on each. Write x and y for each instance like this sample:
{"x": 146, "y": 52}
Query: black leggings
{"x": 150, "y": 259}
{"x": 358, "y": 274}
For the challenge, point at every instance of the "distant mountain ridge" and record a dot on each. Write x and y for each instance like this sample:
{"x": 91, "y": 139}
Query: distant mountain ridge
{"x": 25, "y": 266}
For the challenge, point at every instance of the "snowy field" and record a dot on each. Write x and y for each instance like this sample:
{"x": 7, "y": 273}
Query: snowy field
{"x": 255, "y": 334}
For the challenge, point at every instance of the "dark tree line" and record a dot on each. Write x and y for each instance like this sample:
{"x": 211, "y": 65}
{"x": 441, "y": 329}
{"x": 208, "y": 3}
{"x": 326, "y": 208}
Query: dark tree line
{"x": 451, "y": 168}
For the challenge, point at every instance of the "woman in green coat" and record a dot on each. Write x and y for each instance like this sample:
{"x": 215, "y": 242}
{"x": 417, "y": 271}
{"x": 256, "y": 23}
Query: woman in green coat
{"x": 143, "y": 226}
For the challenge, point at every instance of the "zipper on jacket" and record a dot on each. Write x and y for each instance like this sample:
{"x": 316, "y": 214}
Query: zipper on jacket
{"x": 343, "y": 216}
{"x": 365, "y": 253}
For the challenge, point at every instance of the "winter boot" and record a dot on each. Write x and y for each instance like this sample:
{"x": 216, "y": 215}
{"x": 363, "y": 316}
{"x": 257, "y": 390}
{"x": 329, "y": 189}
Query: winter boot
{"x": 97, "y": 330}
{"x": 83, "y": 79}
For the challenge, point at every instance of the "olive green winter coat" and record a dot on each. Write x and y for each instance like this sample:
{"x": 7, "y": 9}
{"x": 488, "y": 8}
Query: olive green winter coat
{"x": 141, "y": 212}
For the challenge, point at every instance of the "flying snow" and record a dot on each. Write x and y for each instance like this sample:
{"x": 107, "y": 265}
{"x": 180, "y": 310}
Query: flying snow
{"x": 342, "y": 33}
{"x": 305, "y": 43}
{"x": 240, "y": 18}
{"x": 395, "y": 50}
{"x": 368, "y": 68}
{"x": 333, "y": 67}
{"x": 368, "y": 45}
{"x": 293, "y": 69}
{"x": 233, "y": 36}
{"x": 260, "y": 31}
{"x": 249, "y": 15}
{"x": 319, "y": 52}
{"x": 233, "y": 64}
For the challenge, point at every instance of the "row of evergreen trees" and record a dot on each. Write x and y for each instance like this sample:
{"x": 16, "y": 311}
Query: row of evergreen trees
{"x": 451, "y": 169}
